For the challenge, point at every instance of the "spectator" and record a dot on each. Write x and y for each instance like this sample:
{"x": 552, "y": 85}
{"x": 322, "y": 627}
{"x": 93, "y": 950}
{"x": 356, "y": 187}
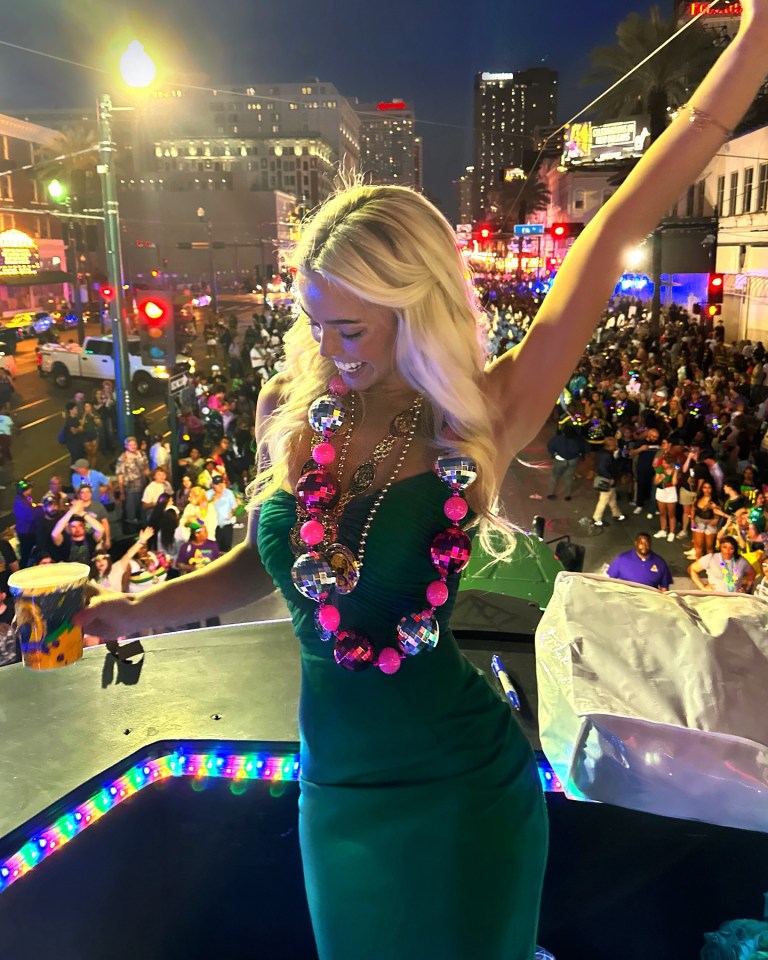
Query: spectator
{"x": 641, "y": 565}
{"x": 170, "y": 538}
{"x": 195, "y": 554}
{"x": 154, "y": 489}
{"x": 224, "y": 503}
{"x": 726, "y": 571}
{"x": 115, "y": 575}
{"x": 132, "y": 471}
{"x": 55, "y": 489}
{"x": 199, "y": 508}
{"x": 71, "y": 434}
{"x": 181, "y": 497}
{"x": 77, "y": 534}
{"x": 605, "y": 483}
{"x": 25, "y": 512}
{"x": 666, "y": 475}
{"x": 145, "y": 569}
{"x": 160, "y": 454}
{"x": 94, "y": 508}
{"x": 759, "y": 586}
{"x": 45, "y": 523}
{"x": 566, "y": 448}
{"x": 642, "y": 453}
{"x": 705, "y": 519}
{"x": 91, "y": 427}
{"x": 82, "y": 472}
{"x": 6, "y": 431}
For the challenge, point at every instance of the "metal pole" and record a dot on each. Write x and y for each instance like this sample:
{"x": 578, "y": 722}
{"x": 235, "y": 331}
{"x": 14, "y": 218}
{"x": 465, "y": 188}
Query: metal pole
{"x": 106, "y": 170}
{"x": 214, "y": 285}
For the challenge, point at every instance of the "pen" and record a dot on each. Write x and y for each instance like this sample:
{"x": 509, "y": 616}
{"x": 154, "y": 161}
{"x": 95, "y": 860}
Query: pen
{"x": 500, "y": 672}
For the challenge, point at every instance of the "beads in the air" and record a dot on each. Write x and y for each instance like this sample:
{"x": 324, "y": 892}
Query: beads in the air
{"x": 323, "y": 454}
{"x": 437, "y": 593}
{"x": 455, "y": 508}
{"x": 317, "y": 490}
{"x": 389, "y": 660}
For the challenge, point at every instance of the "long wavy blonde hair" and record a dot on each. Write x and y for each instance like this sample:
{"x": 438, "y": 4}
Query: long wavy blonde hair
{"x": 391, "y": 247}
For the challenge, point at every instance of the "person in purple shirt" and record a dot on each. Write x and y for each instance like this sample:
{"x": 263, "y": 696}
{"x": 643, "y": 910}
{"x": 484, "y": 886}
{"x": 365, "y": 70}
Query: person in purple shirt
{"x": 641, "y": 565}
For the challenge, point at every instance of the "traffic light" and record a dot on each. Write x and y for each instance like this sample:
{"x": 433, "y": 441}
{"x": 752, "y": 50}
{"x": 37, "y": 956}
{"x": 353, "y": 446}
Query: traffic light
{"x": 714, "y": 309}
{"x": 715, "y": 287}
{"x": 156, "y": 328}
{"x": 561, "y": 231}
{"x": 107, "y": 294}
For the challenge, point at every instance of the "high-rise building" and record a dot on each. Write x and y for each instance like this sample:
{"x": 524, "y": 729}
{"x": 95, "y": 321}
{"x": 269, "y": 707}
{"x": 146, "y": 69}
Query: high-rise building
{"x": 390, "y": 152}
{"x": 464, "y": 186}
{"x": 507, "y": 109}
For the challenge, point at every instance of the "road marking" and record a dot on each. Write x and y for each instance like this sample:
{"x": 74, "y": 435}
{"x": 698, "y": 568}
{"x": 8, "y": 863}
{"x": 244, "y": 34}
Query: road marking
{"x": 47, "y": 465}
{"x": 33, "y": 404}
{"x": 34, "y": 423}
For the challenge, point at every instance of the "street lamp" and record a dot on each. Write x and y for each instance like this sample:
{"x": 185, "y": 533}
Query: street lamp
{"x": 137, "y": 70}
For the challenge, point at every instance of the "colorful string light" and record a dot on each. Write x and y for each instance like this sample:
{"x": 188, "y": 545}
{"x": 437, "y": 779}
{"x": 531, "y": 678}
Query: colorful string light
{"x": 235, "y": 767}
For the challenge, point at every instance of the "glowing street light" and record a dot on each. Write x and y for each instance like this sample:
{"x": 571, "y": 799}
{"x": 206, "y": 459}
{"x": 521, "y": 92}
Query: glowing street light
{"x": 137, "y": 70}
{"x": 136, "y": 66}
{"x": 57, "y": 191}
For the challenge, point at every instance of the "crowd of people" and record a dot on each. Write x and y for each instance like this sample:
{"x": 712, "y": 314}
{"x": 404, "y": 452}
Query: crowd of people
{"x": 673, "y": 423}
{"x": 135, "y": 517}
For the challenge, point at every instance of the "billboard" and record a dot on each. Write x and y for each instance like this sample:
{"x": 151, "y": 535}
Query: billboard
{"x": 599, "y": 143}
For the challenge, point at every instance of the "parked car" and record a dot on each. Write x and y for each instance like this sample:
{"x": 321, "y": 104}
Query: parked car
{"x": 95, "y": 361}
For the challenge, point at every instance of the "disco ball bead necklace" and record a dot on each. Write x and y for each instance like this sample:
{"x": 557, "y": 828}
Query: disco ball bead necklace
{"x": 325, "y": 568}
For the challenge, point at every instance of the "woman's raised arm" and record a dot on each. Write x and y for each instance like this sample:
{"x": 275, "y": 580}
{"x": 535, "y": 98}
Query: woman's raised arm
{"x": 524, "y": 383}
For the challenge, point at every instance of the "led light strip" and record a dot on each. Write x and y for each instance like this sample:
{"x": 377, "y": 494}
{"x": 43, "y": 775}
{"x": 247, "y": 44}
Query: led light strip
{"x": 235, "y": 767}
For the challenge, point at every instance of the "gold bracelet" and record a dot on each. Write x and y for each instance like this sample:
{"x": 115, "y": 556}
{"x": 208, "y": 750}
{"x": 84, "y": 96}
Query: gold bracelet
{"x": 701, "y": 120}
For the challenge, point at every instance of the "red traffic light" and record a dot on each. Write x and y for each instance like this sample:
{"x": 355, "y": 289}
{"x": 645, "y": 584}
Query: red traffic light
{"x": 715, "y": 288}
{"x": 485, "y": 232}
{"x": 107, "y": 293}
{"x": 154, "y": 313}
{"x": 558, "y": 230}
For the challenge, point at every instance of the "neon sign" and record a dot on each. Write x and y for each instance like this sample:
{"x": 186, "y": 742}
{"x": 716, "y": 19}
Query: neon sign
{"x": 393, "y": 105}
{"x": 698, "y": 8}
{"x": 18, "y": 255}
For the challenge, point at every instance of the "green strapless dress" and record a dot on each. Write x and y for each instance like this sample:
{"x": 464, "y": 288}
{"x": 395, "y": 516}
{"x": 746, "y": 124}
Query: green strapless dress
{"x": 421, "y": 820}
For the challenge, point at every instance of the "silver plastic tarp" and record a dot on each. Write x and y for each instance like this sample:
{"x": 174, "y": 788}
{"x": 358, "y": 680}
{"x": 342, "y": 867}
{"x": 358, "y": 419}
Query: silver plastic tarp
{"x": 656, "y": 702}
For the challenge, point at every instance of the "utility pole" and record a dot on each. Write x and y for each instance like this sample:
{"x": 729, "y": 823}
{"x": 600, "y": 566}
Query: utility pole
{"x": 106, "y": 170}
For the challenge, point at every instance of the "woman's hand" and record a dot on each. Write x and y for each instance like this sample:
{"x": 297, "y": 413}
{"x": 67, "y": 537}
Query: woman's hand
{"x": 108, "y": 615}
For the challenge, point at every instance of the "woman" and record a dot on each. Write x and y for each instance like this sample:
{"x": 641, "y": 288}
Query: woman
{"x": 199, "y": 508}
{"x": 727, "y": 572}
{"x": 415, "y": 774}
{"x": 665, "y": 479}
{"x": 705, "y": 518}
{"x": 181, "y": 497}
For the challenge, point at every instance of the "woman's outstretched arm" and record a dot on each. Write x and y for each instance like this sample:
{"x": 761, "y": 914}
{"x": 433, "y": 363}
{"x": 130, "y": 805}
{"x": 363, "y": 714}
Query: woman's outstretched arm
{"x": 525, "y": 382}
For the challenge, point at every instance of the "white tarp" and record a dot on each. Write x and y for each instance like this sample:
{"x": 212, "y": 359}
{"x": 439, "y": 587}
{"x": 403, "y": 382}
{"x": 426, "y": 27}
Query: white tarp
{"x": 656, "y": 702}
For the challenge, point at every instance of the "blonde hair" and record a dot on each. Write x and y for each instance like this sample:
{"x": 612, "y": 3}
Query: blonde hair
{"x": 390, "y": 247}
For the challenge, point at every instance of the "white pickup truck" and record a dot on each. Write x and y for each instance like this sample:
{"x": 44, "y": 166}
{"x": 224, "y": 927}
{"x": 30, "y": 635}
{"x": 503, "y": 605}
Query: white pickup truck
{"x": 95, "y": 361}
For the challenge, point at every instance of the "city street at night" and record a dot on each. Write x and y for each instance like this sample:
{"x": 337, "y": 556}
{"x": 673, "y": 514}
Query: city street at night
{"x": 384, "y": 481}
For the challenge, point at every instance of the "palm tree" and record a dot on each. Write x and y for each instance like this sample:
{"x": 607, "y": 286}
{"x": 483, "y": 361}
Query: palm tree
{"x": 77, "y": 148}
{"x": 516, "y": 200}
{"x": 656, "y": 89}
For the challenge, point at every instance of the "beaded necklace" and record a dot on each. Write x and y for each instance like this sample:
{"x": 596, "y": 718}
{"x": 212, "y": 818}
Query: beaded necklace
{"x": 327, "y": 568}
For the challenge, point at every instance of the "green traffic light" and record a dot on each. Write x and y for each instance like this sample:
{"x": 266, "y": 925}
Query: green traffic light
{"x": 57, "y": 191}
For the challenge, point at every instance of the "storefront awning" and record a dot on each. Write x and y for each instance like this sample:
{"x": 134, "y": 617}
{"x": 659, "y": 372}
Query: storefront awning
{"x": 40, "y": 279}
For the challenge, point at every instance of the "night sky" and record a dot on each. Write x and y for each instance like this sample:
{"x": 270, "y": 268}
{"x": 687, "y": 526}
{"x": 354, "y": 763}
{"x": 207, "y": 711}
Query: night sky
{"x": 423, "y": 51}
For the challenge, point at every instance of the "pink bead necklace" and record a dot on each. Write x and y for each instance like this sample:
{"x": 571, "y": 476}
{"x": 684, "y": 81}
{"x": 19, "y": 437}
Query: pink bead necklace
{"x": 327, "y": 569}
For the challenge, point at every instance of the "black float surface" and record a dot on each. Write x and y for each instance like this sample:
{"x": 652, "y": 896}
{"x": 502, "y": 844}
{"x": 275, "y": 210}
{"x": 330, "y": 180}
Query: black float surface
{"x": 181, "y": 872}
